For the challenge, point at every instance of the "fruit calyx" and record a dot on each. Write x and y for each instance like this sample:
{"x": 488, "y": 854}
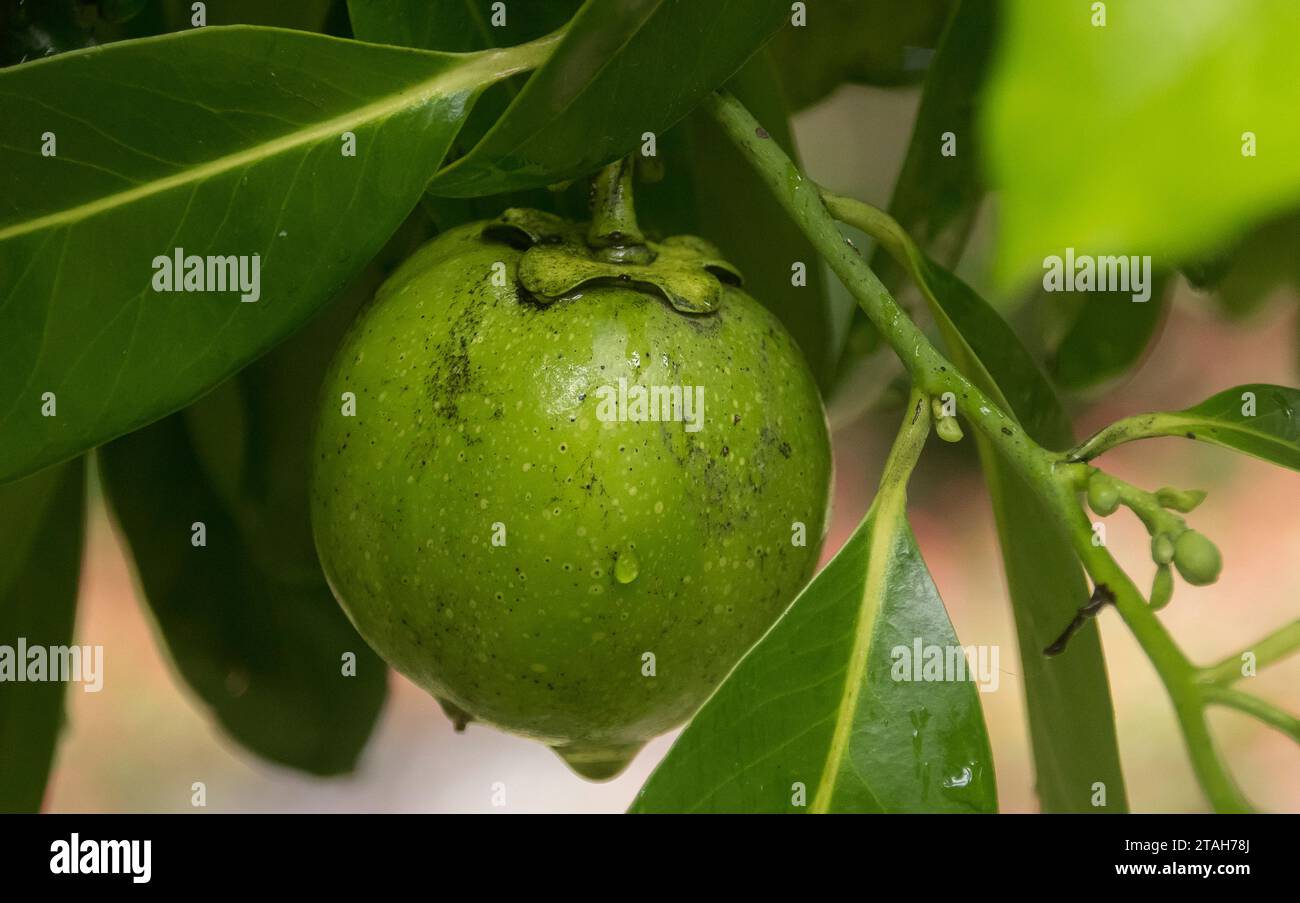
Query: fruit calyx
{"x": 561, "y": 257}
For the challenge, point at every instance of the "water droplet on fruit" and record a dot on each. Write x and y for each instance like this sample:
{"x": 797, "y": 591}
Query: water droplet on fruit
{"x": 597, "y": 763}
{"x": 626, "y": 567}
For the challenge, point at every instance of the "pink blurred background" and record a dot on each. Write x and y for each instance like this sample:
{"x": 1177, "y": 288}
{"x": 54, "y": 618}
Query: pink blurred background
{"x": 140, "y": 743}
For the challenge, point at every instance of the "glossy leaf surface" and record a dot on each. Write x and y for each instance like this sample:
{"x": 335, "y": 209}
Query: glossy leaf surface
{"x": 218, "y": 141}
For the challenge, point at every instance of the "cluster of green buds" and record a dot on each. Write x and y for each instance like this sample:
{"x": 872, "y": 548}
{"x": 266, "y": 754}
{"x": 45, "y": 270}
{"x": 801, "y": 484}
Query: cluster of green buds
{"x": 1173, "y": 543}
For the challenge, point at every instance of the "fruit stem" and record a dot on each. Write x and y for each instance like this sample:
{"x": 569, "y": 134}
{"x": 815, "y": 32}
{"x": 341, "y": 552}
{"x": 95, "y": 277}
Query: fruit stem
{"x": 614, "y": 234}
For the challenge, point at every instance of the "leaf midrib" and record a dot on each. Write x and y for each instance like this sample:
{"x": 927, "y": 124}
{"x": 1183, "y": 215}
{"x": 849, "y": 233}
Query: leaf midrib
{"x": 478, "y": 70}
{"x": 1178, "y": 422}
{"x": 882, "y": 538}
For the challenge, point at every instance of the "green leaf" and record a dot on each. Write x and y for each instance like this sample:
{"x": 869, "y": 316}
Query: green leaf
{"x": 851, "y": 41}
{"x": 1245, "y": 275}
{"x": 936, "y": 197}
{"x": 827, "y": 699}
{"x": 455, "y": 25}
{"x": 240, "y": 154}
{"x": 1109, "y": 337}
{"x": 32, "y": 30}
{"x": 1257, "y": 419}
{"x": 248, "y": 618}
{"x": 1128, "y": 138}
{"x": 709, "y": 190}
{"x": 1071, "y": 719}
{"x": 309, "y": 15}
{"x": 624, "y": 68}
{"x": 41, "y": 525}
{"x": 462, "y": 26}
{"x": 245, "y": 448}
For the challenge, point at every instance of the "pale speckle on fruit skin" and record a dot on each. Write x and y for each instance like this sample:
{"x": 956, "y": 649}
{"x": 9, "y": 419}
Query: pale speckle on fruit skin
{"x": 489, "y": 383}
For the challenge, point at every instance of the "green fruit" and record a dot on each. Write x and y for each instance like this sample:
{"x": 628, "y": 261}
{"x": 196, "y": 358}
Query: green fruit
{"x": 534, "y": 565}
{"x": 1162, "y": 588}
{"x": 1103, "y": 494}
{"x": 1197, "y": 559}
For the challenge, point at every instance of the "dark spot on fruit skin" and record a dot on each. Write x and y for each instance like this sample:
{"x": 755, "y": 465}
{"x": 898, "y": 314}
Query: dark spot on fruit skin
{"x": 451, "y": 372}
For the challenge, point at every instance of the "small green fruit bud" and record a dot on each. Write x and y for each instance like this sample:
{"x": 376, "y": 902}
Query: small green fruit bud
{"x": 1162, "y": 549}
{"x": 1183, "y": 500}
{"x": 1162, "y": 588}
{"x": 1103, "y": 494}
{"x": 948, "y": 428}
{"x": 1197, "y": 558}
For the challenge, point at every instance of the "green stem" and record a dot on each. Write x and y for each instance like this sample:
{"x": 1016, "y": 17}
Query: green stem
{"x": 1177, "y": 674}
{"x": 614, "y": 232}
{"x": 1055, "y": 480}
{"x": 1274, "y": 647}
{"x": 908, "y": 443}
{"x": 1257, "y": 708}
{"x": 931, "y": 372}
{"x": 1147, "y": 508}
{"x": 1140, "y": 426}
